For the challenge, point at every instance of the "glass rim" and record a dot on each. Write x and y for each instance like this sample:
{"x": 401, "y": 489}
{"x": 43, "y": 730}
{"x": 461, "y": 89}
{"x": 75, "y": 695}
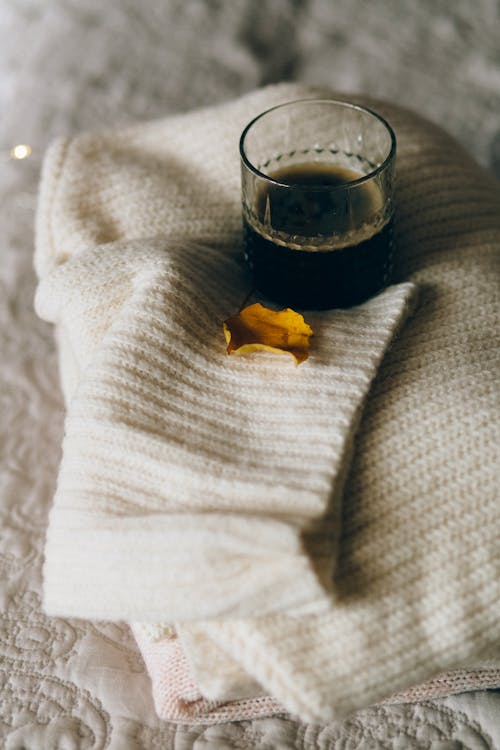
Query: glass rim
{"x": 346, "y": 185}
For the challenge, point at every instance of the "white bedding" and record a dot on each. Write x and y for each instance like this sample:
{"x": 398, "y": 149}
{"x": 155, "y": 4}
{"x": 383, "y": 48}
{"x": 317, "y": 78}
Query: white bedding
{"x": 65, "y": 67}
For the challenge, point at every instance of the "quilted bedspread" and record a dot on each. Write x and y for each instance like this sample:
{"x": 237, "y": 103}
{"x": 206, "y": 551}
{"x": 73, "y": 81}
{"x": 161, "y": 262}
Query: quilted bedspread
{"x": 67, "y": 66}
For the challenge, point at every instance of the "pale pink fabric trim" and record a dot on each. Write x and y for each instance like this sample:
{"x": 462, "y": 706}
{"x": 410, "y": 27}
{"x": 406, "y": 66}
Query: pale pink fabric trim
{"x": 450, "y": 683}
{"x": 176, "y": 695}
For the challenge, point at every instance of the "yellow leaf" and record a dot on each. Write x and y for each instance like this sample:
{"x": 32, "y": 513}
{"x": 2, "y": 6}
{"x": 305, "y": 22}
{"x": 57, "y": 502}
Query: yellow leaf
{"x": 258, "y": 328}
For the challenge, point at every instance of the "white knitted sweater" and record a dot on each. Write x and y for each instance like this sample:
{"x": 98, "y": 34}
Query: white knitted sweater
{"x": 193, "y": 485}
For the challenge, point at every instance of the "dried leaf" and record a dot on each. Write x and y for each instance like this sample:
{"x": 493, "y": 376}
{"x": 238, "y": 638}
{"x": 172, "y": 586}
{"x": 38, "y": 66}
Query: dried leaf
{"x": 258, "y": 328}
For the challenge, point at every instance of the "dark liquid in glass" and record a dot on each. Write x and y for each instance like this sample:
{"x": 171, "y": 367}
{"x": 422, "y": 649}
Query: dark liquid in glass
{"x": 287, "y": 238}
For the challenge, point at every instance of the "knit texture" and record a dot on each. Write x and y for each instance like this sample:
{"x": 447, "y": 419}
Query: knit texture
{"x": 418, "y": 578}
{"x": 230, "y": 695}
{"x": 216, "y": 471}
{"x": 177, "y": 696}
{"x": 196, "y": 461}
{"x": 416, "y": 584}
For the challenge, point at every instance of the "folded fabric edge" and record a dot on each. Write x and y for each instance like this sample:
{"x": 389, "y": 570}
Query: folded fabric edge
{"x": 208, "y": 565}
{"x": 45, "y": 252}
{"x": 225, "y": 680}
{"x": 178, "y": 698}
{"x": 168, "y": 682}
{"x": 451, "y": 682}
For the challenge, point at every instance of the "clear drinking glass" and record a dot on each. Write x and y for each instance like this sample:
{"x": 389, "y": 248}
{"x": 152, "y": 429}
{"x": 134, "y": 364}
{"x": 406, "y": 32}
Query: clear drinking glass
{"x": 317, "y": 191}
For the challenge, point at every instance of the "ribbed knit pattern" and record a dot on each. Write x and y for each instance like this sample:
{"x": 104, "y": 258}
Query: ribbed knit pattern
{"x": 177, "y": 696}
{"x": 228, "y": 694}
{"x": 224, "y": 475}
{"x": 216, "y": 471}
{"x": 418, "y": 579}
{"x": 167, "y": 482}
